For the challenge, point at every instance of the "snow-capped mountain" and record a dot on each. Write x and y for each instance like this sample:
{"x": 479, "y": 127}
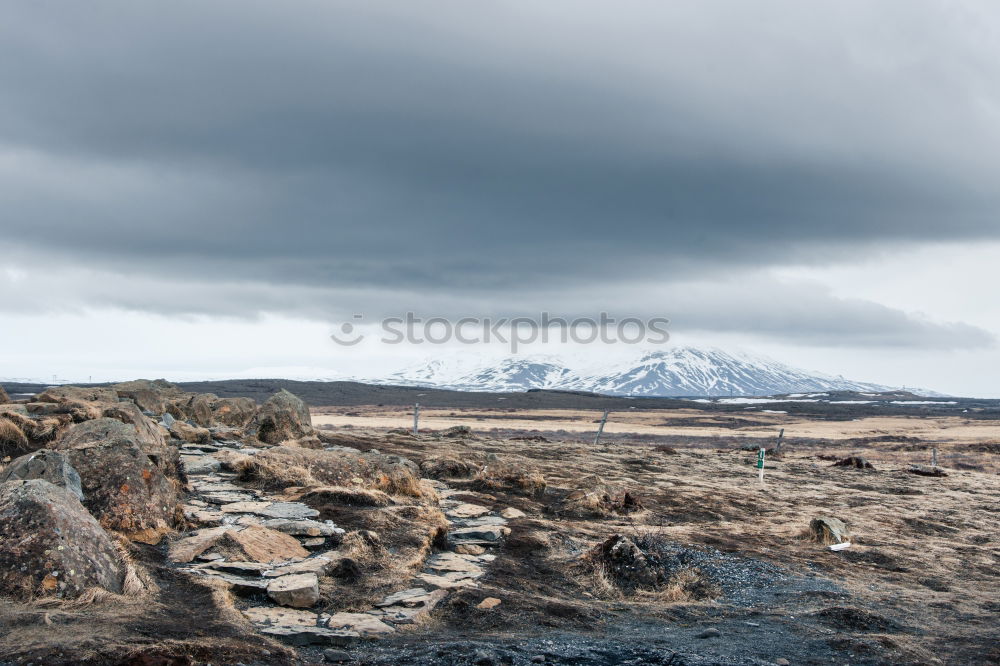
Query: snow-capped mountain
{"x": 680, "y": 371}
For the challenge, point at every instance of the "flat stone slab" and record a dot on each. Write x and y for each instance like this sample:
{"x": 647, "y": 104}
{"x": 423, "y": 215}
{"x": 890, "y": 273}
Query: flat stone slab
{"x": 224, "y": 497}
{"x": 239, "y": 583}
{"x": 424, "y": 600}
{"x": 286, "y": 510}
{"x": 487, "y": 533}
{"x": 366, "y": 625}
{"x": 298, "y": 627}
{"x": 306, "y": 527}
{"x": 241, "y": 568}
{"x": 264, "y": 545}
{"x": 485, "y": 521}
{"x": 455, "y": 562}
{"x": 194, "y": 465}
{"x": 467, "y": 511}
{"x": 205, "y": 517}
{"x": 511, "y": 513}
{"x": 318, "y": 565}
{"x": 444, "y": 582}
{"x": 402, "y": 596}
{"x": 192, "y": 546}
{"x": 296, "y": 590}
{"x": 311, "y": 635}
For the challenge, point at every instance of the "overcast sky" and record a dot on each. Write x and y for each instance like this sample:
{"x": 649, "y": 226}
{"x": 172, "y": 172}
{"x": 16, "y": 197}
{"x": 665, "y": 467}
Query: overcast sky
{"x": 208, "y": 188}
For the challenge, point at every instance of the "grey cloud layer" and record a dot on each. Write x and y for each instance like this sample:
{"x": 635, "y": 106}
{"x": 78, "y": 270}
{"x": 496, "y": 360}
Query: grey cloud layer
{"x": 475, "y": 152}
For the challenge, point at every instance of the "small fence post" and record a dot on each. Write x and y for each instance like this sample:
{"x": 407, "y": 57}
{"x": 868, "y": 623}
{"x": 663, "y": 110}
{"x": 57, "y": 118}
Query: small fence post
{"x": 600, "y": 429}
{"x": 934, "y": 457}
{"x": 416, "y": 419}
{"x": 760, "y": 464}
{"x": 777, "y": 447}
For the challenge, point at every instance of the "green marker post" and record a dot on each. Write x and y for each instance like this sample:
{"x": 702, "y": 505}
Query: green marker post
{"x": 760, "y": 464}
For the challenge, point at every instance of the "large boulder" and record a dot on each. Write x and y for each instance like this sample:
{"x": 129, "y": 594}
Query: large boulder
{"x": 199, "y": 409}
{"x": 51, "y": 545}
{"x": 152, "y": 396}
{"x": 81, "y": 404}
{"x": 234, "y": 412}
{"x": 144, "y": 433}
{"x": 284, "y": 416}
{"x": 124, "y": 489}
{"x": 188, "y": 433}
{"x": 67, "y": 394}
{"x": 50, "y": 466}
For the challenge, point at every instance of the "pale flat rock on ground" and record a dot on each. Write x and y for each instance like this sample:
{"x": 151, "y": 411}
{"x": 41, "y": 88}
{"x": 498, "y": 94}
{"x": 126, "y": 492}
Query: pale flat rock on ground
{"x": 367, "y": 626}
{"x": 305, "y": 527}
{"x": 358, "y": 624}
{"x": 449, "y": 581}
{"x": 265, "y": 545}
{"x": 467, "y": 511}
{"x": 286, "y": 510}
{"x": 259, "y": 543}
{"x": 296, "y": 590}
{"x": 297, "y": 627}
{"x": 455, "y": 562}
{"x": 317, "y": 564}
{"x": 197, "y": 543}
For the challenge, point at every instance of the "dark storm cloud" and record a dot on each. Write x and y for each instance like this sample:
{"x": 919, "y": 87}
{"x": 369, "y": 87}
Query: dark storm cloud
{"x": 481, "y": 151}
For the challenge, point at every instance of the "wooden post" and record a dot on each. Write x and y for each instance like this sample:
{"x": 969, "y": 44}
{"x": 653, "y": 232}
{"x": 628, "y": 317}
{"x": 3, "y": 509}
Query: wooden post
{"x": 777, "y": 447}
{"x": 600, "y": 429}
{"x": 934, "y": 457}
{"x": 760, "y": 464}
{"x": 416, "y": 419}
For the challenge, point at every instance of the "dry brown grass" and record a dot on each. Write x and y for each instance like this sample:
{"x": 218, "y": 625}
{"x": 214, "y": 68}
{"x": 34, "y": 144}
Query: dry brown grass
{"x": 270, "y": 473}
{"x": 498, "y": 474}
{"x": 13, "y": 441}
{"x": 344, "y": 496}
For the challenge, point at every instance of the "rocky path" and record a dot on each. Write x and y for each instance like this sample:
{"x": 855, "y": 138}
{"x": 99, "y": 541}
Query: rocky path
{"x": 274, "y": 552}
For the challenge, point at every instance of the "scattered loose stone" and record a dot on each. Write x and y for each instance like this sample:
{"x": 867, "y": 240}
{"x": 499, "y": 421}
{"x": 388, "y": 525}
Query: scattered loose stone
{"x": 488, "y": 603}
{"x": 782, "y": 662}
{"x": 511, "y": 513}
{"x": 711, "y": 632}
{"x": 296, "y": 590}
{"x": 337, "y": 656}
{"x": 829, "y": 530}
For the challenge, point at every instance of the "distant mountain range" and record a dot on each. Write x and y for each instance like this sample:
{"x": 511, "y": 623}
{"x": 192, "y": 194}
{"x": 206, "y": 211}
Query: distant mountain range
{"x": 679, "y": 371}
